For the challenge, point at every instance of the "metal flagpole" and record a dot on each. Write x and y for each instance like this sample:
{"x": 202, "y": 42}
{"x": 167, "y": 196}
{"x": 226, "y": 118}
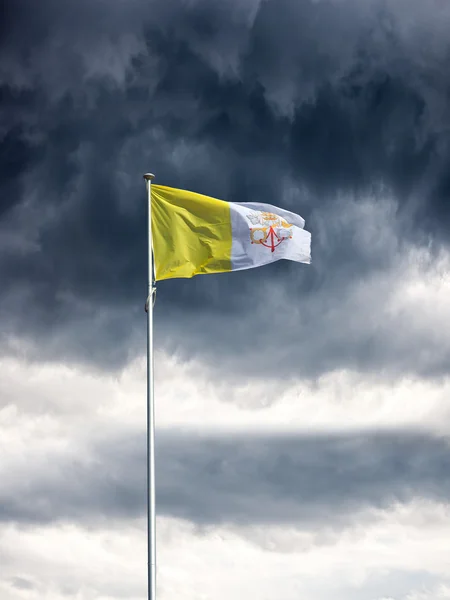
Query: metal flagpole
{"x": 151, "y": 514}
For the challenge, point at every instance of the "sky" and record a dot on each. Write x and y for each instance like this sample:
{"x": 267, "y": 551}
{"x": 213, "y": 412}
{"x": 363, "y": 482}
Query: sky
{"x": 302, "y": 443}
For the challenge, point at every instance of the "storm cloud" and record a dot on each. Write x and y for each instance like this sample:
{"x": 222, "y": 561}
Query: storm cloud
{"x": 318, "y": 481}
{"x": 252, "y": 101}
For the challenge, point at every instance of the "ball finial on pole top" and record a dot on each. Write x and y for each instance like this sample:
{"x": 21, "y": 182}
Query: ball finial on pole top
{"x": 149, "y": 176}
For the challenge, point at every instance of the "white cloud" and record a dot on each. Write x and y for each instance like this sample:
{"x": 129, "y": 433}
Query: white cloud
{"x": 49, "y": 410}
{"x": 218, "y": 562}
{"x": 39, "y": 401}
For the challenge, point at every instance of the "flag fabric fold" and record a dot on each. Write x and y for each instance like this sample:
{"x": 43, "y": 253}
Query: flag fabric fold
{"x": 194, "y": 234}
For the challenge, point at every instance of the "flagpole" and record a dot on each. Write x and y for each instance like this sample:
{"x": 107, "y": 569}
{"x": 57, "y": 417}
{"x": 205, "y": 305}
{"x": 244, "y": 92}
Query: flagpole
{"x": 151, "y": 513}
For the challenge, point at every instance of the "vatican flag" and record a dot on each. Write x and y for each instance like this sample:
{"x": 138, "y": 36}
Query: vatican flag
{"x": 195, "y": 234}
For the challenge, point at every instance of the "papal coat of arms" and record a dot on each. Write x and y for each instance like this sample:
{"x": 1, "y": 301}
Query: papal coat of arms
{"x": 270, "y": 231}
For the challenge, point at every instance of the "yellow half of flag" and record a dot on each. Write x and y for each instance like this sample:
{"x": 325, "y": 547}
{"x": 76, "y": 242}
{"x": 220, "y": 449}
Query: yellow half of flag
{"x": 191, "y": 233}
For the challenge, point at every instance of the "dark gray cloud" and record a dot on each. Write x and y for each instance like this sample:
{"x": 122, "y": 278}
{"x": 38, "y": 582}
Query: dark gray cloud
{"x": 310, "y": 480}
{"x": 295, "y": 103}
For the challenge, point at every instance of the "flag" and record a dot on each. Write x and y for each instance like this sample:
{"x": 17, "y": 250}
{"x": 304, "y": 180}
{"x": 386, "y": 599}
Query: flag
{"x": 195, "y": 234}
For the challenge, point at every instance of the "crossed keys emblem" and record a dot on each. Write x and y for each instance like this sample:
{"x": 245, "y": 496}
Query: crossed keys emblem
{"x": 272, "y": 231}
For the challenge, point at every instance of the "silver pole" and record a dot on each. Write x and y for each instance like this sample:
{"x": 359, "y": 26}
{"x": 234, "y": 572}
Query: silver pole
{"x": 151, "y": 514}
